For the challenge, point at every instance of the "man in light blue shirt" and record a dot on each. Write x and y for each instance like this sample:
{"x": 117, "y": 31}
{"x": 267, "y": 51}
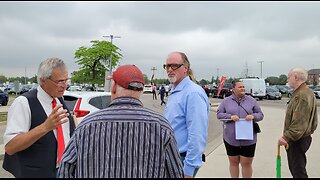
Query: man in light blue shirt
{"x": 187, "y": 110}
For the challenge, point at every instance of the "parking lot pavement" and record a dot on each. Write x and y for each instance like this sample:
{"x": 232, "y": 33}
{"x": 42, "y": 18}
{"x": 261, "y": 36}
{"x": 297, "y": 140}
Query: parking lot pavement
{"x": 264, "y": 163}
{"x": 216, "y": 165}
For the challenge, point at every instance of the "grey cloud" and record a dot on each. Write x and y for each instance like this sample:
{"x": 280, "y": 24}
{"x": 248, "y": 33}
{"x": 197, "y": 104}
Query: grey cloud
{"x": 214, "y": 34}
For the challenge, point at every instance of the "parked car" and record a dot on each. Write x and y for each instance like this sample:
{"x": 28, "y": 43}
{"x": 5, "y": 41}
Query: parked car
{"x": 316, "y": 92}
{"x": 4, "y": 98}
{"x": 212, "y": 89}
{"x": 225, "y": 91}
{"x": 290, "y": 92}
{"x": 282, "y": 89}
{"x": 273, "y": 93}
{"x": 255, "y": 87}
{"x": 74, "y": 88}
{"x": 83, "y": 103}
{"x": 147, "y": 89}
{"x": 2, "y": 87}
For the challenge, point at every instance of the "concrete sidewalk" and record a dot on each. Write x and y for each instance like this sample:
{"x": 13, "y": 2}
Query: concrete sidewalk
{"x": 264, "y": 163}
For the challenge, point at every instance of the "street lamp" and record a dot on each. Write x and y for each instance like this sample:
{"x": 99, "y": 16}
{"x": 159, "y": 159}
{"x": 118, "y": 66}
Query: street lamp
{"x": 260, "y": 68}
{"x": 153, "y": 69}
{"x": 107, "y": 83}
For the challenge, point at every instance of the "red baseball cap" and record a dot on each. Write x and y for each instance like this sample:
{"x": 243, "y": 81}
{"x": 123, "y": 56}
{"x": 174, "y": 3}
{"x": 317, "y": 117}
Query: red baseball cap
{"x": 129, "y": 77}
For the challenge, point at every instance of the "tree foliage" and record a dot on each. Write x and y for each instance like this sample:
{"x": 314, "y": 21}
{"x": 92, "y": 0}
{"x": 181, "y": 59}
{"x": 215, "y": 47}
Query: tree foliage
{"x": 282, "y": 79}
{"x": 94, "y": 61}
{"x": 3, "y": 79}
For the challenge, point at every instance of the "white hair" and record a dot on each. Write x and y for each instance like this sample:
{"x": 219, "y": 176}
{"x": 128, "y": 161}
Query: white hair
{"x": 301, "y": 73}
{"x": 46, "y": 67}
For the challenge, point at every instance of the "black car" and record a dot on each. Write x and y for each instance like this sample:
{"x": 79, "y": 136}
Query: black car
{"x": 225, "y": 91}
{"x": 4, "y": 98}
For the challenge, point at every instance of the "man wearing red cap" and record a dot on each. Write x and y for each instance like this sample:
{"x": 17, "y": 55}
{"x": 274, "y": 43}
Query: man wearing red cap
{"x": 124, "y": 140}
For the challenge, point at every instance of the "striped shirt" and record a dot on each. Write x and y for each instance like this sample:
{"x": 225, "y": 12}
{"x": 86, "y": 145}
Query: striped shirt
{"x": 124, "y": 140}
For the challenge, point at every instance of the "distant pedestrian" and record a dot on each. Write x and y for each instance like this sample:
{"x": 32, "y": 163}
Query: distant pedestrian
{"x": 300, "y": 122}
{"x": 125, "y": 140}
{"x": 37, "y": 131}
{"x": 154, "y": 91}
{"x": 206, "y": 89}
{"x": 167, "y": 88}
{"x": 162, "y": 93}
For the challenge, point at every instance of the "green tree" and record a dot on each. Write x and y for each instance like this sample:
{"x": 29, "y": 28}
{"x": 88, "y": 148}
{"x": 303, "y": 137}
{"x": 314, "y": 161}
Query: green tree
{"x": 217, "y": 80}
{"x": 282, "y": 79}
{"x": 212, "y": 80}
{"x": 3, "y": 79}
{"x": 94, "y": 61}
{"x": 146, "y": 79}
{"x": 34, "y": 79}
{"x": 203, "y": 82}
{"x": 272, "y": 80}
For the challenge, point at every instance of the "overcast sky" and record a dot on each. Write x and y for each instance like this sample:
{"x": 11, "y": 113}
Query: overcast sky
{"x": 219, "y": 38}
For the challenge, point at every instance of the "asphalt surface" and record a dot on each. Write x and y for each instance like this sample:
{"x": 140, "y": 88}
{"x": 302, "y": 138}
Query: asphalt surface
{"x": 217, "y": 163}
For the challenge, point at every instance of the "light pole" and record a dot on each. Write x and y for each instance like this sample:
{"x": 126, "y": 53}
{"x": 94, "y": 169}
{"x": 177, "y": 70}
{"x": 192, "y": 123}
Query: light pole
{"x": 25, "y": 75}
{"x": 153, "y": 69}
{"x": 107, "y": 83}
{"x": 260, "y": 68}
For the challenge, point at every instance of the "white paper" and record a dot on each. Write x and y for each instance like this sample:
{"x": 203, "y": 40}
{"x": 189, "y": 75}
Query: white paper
{"x": 244, "y": 130}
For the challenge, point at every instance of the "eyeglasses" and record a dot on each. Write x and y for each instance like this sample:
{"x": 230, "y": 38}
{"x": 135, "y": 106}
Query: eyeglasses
{"x": 172, "y": 66}
{"x": 60, "y": 82}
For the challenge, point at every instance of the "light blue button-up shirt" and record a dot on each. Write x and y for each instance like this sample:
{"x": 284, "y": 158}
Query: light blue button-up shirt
{"x": 187, "y": 110}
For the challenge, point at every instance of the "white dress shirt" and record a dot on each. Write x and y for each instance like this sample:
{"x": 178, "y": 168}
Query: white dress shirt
{"x": 19, "y": 116}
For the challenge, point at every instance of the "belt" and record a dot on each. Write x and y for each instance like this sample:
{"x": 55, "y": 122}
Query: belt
{"x": 203, "y": 157}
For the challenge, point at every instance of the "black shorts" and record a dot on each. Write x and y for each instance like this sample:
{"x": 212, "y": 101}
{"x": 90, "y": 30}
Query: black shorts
{"x": 246, "y": 151}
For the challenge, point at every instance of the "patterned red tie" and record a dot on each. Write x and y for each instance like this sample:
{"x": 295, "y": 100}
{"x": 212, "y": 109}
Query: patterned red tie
{"x": 60, "y": 138}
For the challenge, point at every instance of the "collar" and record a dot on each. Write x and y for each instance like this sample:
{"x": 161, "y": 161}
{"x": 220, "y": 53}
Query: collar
{"x": 125, "y": 100}
{"x": 181, "y": 84}
{"x": 44, "y": 96}
{"x": 236, "y": 99}
{"x": 302, "y": 86}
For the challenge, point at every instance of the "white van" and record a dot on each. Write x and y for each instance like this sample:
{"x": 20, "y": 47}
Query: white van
{"x": 255, "y": 87}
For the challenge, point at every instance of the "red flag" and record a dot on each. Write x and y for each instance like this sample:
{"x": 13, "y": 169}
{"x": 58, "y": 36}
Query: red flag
{"x": 223, "y": 79}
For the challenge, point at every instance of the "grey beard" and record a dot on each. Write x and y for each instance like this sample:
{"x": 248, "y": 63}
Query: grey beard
{"x": 173, "y": 79}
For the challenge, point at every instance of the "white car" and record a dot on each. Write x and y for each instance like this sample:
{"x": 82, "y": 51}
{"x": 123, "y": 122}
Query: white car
{"x": 147, "y": 89}
{"x": 83, "y": 103}
{"x": 74, "y": 88}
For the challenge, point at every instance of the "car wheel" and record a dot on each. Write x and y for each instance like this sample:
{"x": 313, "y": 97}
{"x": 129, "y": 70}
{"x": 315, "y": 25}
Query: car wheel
{"x": 268, "y": 97}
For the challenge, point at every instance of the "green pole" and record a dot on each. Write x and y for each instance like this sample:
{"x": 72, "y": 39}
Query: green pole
{"x": 278, "y": 167}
